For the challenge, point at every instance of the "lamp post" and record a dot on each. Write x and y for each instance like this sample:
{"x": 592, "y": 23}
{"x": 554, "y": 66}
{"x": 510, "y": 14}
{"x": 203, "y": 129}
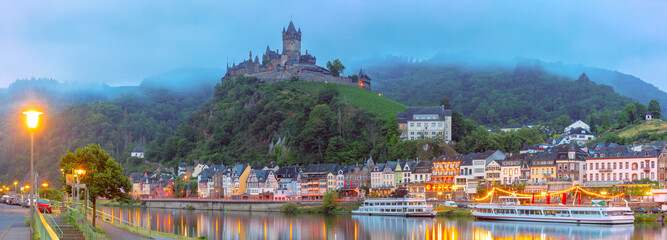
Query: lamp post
{"x": 45, "y": 185}
{"x": 15, "y": 182}
{"x": 32, "y": 119}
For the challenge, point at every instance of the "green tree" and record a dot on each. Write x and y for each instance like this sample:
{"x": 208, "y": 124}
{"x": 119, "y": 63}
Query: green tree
{"x": 336, "y": 67}
{"x": 623, "y": 118}
{"x": 631, "y": 110}
{"x": 641, "y": 112}
{"x": 329, "y": 201}
{"x": 445, "y": 102}
{"x": 654, "y": 109}
{"x": 104, "y": 176}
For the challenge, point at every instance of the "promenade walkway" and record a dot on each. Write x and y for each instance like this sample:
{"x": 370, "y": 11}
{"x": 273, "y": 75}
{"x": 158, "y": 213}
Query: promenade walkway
{"x": 118, "y": 233}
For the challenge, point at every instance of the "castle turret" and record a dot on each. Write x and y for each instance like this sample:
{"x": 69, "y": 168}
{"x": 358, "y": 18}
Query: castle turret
{"x": 292, "y": 42}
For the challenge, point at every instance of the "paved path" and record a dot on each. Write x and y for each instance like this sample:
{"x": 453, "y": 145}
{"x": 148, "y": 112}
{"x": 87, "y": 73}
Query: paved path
{"x": 119, "y": 233}
{"x": 12, "y": 222}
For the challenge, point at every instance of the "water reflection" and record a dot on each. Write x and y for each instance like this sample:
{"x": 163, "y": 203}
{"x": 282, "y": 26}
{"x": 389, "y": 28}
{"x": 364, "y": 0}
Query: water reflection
{"x": 260, "y": 225}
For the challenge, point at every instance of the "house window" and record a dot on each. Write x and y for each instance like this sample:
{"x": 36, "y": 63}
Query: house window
{"x": 412, "y": 133}
{"x": 620, "y": 165}
{"x": 652, "y": 164}
{"x": 412, "y": 124}
{"x": 439, "y": 124}
{"x": 432, "y": 124}
{"x": 597, "y": 177}
{"x": 596, "y": 166}
{"x": 433, "y": 133}
{"x": 419, "y": 124}
{"x": 627, "y": 165}
{"x": 642, "y": 163}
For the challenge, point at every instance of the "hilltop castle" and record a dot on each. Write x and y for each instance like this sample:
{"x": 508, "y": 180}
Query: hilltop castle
{"x": 276, "y": 67}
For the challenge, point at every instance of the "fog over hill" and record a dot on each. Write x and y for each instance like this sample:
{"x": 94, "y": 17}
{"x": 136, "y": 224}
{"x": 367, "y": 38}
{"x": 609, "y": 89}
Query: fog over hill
{"x": 624, "y": 84}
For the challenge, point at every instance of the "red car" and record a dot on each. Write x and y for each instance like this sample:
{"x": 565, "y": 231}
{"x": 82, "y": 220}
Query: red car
{"x": 44, "y": 205}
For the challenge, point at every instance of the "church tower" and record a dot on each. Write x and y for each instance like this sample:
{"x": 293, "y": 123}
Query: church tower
{"x": 292, "y": 43}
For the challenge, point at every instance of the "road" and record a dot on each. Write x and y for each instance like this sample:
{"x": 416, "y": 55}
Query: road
{"x": 12, "y": 222}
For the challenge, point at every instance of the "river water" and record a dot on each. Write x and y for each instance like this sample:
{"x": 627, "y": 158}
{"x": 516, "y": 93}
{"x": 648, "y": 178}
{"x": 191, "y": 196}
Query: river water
{"x": 262, "y": 225}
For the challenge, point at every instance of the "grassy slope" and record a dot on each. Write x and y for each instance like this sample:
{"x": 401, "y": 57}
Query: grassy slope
{"x": 656, "y": 126}
{"x": 362, "y": 99}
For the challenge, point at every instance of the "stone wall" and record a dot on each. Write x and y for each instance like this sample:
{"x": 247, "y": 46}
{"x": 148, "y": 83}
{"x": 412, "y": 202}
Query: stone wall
{"x": 248, "y": 206}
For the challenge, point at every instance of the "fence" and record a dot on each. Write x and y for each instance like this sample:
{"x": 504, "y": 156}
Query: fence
{"x": 113, "y": 220}
{"x": 81, "y": 222}
{"x": 42, "y": 228}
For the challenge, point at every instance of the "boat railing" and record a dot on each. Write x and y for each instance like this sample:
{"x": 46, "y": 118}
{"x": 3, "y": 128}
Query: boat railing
{"x": 545, "y": 205}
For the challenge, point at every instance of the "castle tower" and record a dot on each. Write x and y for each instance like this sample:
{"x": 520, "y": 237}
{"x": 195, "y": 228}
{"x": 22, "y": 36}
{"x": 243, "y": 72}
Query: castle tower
{"x": 292, "y": 42}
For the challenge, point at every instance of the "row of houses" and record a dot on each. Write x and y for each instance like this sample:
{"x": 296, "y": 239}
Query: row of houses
{"x": 538, "y": 168}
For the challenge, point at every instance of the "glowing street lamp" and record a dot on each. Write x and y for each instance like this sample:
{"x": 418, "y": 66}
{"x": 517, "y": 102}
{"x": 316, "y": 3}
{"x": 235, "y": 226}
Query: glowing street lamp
{"x": 45, "y": 185}
{"x": 32, "y": 119}
{"x": 15, "y": 182}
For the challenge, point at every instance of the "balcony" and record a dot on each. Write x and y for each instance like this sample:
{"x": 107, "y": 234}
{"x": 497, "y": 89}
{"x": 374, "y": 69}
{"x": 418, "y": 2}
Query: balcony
{"x": 647, "y": 169}
{"x": 605, "y": 170}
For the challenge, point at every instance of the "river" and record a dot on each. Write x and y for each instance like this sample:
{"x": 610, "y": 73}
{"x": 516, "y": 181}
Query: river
{"x": 263, "y": 225}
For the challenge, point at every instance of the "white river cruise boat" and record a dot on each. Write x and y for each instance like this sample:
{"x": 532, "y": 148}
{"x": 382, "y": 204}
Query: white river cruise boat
{"x": 406, "y": 207}
{"x": 511, "y": 209}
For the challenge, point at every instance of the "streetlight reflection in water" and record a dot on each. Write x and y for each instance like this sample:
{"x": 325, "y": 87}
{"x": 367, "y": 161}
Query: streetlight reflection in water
{"x": 262, "y": 225}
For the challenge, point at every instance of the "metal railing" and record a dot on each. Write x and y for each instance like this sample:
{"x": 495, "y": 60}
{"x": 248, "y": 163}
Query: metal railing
{"x": 42, "y": 228}
{"x": 81, "y": 222}
{"x": 51, "y": 221}
{"x": 113, "y": 220}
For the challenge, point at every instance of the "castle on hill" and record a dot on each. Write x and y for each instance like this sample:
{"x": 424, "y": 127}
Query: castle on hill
{"x": 275, "y": 67}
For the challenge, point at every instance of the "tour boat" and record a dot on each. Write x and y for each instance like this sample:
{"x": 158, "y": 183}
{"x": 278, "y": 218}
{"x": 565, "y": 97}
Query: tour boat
{"x": 511, "y": 209}
{"x": 406, "y": 207}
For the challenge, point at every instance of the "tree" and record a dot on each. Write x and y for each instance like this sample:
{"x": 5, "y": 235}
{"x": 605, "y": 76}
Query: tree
{"x": 631, "y": 110}
{"x": 445, "y": 102}
{"x": 641, "y": 112}
{"x": 336, "y": 68}
{"x": 329, "y": 201}
{"x": 654, "y": 109}
{"x": 104, "y": 176}
{"x": 623, "y": 118}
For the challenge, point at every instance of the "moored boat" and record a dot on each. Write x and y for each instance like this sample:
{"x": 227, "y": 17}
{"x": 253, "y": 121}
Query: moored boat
{"x": 406, "y": 207}
{"x": 511, "y": 209}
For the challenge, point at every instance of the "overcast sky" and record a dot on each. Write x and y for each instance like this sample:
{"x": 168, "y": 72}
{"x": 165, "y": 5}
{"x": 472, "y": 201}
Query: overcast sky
{"x": 122, "y": 42}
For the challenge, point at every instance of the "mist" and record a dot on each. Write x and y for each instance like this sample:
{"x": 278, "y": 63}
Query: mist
{"x": 123, "y": 42}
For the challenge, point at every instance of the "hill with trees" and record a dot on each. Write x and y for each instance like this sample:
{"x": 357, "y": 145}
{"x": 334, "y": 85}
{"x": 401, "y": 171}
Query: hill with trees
{"x": 292, "y": 122}
{"x": 495, "y": 96}
{"x": 118, "y": 121}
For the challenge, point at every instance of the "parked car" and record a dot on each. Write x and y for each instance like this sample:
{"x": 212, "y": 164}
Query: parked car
{"x": 460, "y": 205}
{"x": 44, "y": 205}
{"x": 450, "y": 204}
{"x": 640, "y": 210}
{"x": 463, "y": 199}
{"x": 656, "y": 210}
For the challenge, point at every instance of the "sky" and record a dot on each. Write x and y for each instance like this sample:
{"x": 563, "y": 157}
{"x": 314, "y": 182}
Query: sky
{"x": 122, "y": 42}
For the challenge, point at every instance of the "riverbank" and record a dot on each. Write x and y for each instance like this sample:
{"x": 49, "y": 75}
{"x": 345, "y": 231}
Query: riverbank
{"x": 217, "y": 205}
{"x": 456, "y": 212}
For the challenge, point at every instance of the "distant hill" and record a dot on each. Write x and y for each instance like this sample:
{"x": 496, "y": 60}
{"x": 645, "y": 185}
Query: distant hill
{"x": 117, "y": 118}
{"x": 624, "y": 84}
{"x": 494, "y": 94}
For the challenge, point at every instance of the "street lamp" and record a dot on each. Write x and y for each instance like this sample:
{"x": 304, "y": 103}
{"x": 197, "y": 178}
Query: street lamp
{"x": 32, "y": 119}
{"x": 15, "y": 182}
{"x": 79, "y": 173}
{"x": 45, "y": 185}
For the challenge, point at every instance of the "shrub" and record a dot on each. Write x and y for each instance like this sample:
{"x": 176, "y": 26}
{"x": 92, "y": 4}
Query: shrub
{"x": 329, "y": 201}
{"x": 289, "y": 207}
